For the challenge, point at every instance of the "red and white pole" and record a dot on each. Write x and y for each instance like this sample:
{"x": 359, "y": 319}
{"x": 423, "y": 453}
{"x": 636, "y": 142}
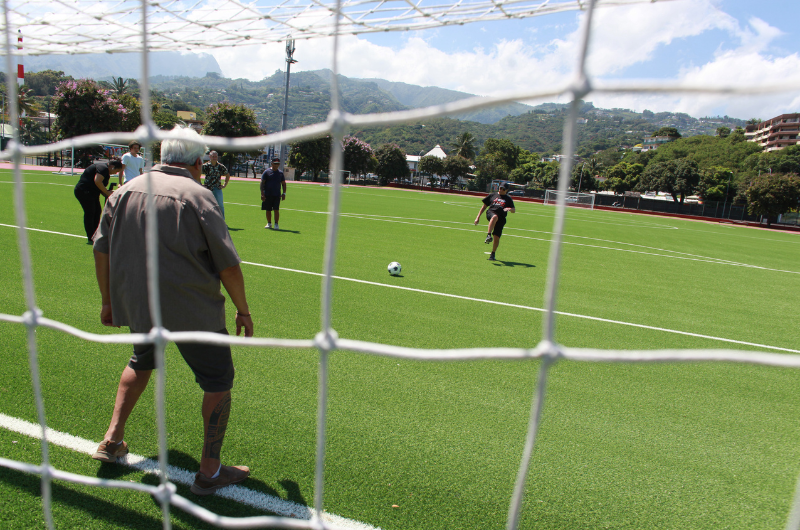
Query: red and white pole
{"x": 20, "y": 68}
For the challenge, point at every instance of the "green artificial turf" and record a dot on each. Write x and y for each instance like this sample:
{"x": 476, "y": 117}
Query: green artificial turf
{"x": 683, "y": 446}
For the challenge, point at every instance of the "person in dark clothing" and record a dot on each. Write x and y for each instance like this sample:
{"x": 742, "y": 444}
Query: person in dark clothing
{"x": 271, "y": 181}
{"x": 498, "y": 204}
{"x": 92, "y": 184}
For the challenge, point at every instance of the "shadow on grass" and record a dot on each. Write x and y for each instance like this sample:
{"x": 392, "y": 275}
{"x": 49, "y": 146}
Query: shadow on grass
{"x": 501, "y": 263}
{"x": 115, "y": 514}
{"x": 287, "y": 231}
{"x": 235, "y": 229}
{"x": 213, "y": 503}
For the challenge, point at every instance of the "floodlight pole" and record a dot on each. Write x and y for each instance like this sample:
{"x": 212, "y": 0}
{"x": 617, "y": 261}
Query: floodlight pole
{"x": 285, "y": 119}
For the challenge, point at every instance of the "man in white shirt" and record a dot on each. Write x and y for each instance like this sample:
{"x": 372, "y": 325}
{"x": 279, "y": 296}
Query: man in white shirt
{"x": 132, "y": 162}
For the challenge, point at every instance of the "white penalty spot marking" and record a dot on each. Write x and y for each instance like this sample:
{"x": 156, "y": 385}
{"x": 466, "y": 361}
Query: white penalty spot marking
{"x": 238, "y": 493}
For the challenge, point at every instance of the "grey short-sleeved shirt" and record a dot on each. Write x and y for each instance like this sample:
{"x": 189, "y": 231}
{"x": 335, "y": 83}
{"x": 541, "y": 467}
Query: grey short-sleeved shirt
{"x": 193, "y": 247}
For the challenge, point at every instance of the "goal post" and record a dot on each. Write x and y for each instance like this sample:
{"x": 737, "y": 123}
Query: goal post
{"x": 571, "y": 198}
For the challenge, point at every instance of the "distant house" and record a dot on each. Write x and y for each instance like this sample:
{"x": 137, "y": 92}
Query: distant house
{"x": 413, "y": 160}
{"x": 581, "y": 120}
{"x": 652, "y": 142}
{"x": 190, "y": 118}
{"x": 775, "y": 134}
{"x": 555, "y": 158}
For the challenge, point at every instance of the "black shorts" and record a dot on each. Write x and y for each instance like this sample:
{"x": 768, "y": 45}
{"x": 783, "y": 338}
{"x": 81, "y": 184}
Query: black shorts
{"x": 212, "y": 364}
{"x": 498, "y": 226}
{"x": 271, "y": 203}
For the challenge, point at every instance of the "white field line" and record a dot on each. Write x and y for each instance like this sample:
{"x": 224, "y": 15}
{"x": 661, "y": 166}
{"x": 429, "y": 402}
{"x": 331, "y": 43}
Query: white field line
{"x": 256, "y": 499}
{"x": 530, "y": 308}
{"x": 45, "y": 231}
{"x": 48, "y": 183}
{"x": 673, "y": 254}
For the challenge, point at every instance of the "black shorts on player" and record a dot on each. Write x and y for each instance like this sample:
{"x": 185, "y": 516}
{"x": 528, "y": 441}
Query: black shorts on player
{"x": 271, "y": 203}
{"x": 498, "y": 226}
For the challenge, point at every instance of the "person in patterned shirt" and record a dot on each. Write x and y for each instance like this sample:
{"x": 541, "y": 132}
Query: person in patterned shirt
{"x": 214, "y": 171}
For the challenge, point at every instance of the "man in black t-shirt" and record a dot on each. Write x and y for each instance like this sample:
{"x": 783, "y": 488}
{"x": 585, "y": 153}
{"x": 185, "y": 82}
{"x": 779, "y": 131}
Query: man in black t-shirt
{"x": 93, "y": 183}
{"x": 271, "y": 181}
{"x": 498, "y": 204}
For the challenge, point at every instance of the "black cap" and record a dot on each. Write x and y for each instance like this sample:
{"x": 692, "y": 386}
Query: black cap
{"x": 504, "y": 185}
{"x": 276, "y": 159}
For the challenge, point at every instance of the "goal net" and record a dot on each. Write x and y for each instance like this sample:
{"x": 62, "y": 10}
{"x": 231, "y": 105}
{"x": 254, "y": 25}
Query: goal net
{"x": 571, "y": 198}
{"x": 122, "y": 26}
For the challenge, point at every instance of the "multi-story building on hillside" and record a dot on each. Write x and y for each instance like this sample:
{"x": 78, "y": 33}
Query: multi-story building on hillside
{"x": 652, "y": 142}
{"x": 777, "y": 133}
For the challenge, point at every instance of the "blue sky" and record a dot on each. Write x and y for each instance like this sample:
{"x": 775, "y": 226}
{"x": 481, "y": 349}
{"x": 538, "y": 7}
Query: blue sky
{"x": 699, "y": 41}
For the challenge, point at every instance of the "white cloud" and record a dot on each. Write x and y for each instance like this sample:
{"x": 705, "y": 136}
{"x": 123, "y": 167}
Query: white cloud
{"x": 622, "y": 38}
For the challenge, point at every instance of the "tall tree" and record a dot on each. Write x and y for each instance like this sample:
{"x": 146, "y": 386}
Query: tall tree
{"x": 667, "y": 131}
{"x": 311, "y": 155}
{"x": 357, "y": 155}
{"x": 464, "y": 145}
{"x": 716, "y": 184}
{"x": 232, "y": 121}
{"x": 679, "y": 178}
{"x": 120, "y": 86}
{"x": 391, "y": 164}
{"x": 772, "y": 195}
{"x": 44, "y": 83}
{"x": 84, "y": 108}
{"x": 432, "y": 166}
{"x": 503, "y": 151}
{"x": 26, "y": 102}
{"x": 456, "y": 167}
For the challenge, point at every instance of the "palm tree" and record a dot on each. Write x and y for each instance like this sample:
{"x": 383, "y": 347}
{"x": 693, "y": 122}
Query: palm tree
{"x": 26, "y": 101}
{"x": 120, "y": 86}
{"x": 464, "y": 145}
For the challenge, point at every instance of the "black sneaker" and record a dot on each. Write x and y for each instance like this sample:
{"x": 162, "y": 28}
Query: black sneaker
{"x": 488, "y": 239}
{"x": 491, "y": 257}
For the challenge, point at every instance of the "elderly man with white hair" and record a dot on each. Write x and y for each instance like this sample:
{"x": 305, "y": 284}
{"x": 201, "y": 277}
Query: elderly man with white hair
{"x": 195, "y": 255}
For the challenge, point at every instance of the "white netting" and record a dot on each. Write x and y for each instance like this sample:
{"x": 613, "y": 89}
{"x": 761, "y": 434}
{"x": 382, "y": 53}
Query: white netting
{"x": 88, "y": 26}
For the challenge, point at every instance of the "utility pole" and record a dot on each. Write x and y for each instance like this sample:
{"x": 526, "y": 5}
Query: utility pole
{"x": 285, "y": 118}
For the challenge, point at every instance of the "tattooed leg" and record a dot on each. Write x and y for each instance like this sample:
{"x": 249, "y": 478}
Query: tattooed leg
{"x": 216, "y": 410}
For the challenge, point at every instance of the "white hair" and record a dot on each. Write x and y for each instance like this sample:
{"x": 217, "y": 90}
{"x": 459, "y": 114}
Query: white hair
{"x": 184, "y": 150}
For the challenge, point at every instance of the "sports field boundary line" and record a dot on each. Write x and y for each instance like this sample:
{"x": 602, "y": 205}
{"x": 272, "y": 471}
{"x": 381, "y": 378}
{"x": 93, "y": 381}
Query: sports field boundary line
{"x": 671, "y": 254}
{"x": 238, "y": 493}
{"x": 506, "y": 304}
{"x": 532, "y": 308}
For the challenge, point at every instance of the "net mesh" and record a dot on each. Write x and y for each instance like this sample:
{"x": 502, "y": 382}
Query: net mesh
{"x": 88, "y": 26}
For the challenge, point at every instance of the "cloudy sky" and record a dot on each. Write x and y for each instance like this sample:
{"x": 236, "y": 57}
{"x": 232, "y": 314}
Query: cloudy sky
{"x": 719, "y": 41}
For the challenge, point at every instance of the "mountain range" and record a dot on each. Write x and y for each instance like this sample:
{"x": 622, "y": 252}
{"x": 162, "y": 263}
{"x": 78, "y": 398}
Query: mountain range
{"x": 126, "y": 65}
{"x": 538, "y": 129}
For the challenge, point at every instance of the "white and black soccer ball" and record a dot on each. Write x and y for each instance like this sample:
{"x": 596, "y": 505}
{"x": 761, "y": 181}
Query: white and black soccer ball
{"x": 395, "y": 268}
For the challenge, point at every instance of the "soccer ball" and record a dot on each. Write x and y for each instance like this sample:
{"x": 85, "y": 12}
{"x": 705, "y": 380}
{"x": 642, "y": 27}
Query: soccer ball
{"x": 394, "y": 268}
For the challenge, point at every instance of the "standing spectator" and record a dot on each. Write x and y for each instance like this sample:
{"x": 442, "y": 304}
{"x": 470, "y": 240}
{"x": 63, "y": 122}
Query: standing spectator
{"x": 92, "y": 184}
{"x": 214, "y": 171}
{"x": 271, "y": 181}
{"x": 132, "y": 161}
{"x": 499, "y": 205}
{"x": 196, "y": 255}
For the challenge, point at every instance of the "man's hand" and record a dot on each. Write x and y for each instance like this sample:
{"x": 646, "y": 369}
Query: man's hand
{"x": 477, "y": 220}
{"x": 105, "y": 316}
{"x": 263, "y": 197}
{"x": 245, "y": 322}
